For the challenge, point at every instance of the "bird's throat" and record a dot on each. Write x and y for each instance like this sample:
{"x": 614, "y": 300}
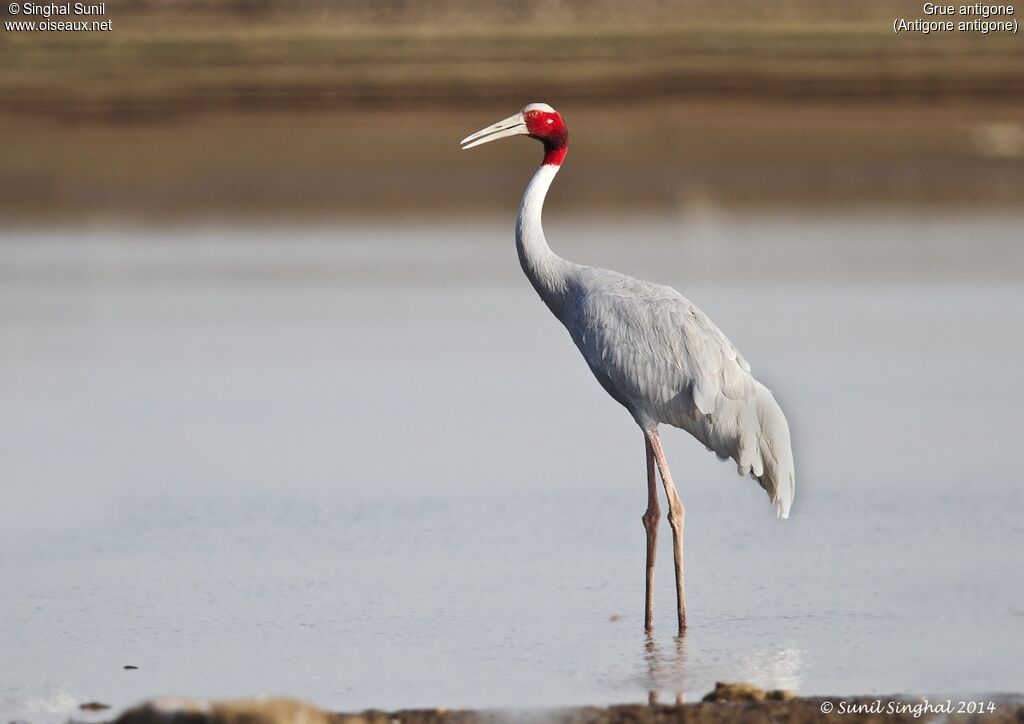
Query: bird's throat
{"x": 554, "y": 153}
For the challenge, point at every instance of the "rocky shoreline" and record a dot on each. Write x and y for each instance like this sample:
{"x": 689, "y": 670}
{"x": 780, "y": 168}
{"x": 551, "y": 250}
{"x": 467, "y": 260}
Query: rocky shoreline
{"x": 736, "y": 702}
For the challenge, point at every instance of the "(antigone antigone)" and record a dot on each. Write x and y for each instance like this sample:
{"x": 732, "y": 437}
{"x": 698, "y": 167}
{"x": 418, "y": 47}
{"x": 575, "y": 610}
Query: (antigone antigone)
{"x": 653, "y": 351}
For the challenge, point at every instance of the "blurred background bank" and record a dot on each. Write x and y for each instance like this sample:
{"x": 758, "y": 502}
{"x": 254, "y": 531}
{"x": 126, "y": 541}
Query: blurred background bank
{"x": 338, "y": 109}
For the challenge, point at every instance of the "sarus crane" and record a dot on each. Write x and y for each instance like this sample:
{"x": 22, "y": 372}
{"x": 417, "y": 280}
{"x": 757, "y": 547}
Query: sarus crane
{"x": 654, "y": 352}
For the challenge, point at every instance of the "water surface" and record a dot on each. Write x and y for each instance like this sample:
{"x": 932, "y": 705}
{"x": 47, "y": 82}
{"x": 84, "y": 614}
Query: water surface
{"x": 364, "y": 466}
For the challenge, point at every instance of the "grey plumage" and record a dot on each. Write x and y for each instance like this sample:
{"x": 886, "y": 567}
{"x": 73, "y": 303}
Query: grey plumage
{"x": 665, "y": 361}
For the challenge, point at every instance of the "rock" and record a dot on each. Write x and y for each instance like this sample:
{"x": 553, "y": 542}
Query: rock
{"x": 735, "y": 691}
{"x": 168, "y": 711}
{"x": 242, "y": 711}
{"x": 780, "y": 695}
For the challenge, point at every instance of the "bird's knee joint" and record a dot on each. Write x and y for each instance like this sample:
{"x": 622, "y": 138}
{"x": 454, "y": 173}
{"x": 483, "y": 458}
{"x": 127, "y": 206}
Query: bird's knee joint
{"x": 650, "y": 518}
{"x": 676, "y": 515}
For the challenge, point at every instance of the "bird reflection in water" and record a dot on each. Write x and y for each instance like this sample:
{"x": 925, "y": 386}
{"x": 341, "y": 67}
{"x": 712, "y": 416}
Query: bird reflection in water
{"x": 665, "y": 672}
{"x": 668, "y": 670}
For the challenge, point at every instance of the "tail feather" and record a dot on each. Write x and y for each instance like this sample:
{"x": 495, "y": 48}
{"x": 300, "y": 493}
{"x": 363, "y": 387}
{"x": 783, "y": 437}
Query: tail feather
{"x": 778, "y": 476}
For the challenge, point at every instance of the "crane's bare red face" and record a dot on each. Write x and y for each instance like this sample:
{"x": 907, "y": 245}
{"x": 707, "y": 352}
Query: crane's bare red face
{"x": 549, "y": 128}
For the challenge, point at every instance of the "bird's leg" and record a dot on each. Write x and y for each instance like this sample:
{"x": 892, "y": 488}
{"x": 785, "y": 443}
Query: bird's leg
{"x": 676, "y": 514}
{"x": 650, "y": 519}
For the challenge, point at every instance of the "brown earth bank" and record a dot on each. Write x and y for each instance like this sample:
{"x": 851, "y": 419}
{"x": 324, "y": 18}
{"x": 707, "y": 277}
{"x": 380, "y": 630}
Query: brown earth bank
{"x": 729, "y": 702}
{"x": 166, "y": 61}
{"x": 319, "y": 108}
{"x": 664, "y": 156}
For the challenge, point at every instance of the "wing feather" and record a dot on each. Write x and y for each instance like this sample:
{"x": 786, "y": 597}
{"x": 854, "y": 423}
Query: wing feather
{"x": 664, "y": 359}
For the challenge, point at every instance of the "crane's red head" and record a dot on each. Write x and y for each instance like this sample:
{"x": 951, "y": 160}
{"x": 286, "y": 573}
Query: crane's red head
{"x": 537, "y": 120}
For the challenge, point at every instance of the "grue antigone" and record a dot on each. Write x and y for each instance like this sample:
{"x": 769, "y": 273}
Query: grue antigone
{"x": 653, "y": 351}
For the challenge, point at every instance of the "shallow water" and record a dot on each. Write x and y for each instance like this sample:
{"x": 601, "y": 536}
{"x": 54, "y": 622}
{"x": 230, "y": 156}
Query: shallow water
{"x": 365, "y": 467}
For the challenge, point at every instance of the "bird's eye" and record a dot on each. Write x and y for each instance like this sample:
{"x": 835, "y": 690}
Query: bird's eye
{"x": 533, "y": 114}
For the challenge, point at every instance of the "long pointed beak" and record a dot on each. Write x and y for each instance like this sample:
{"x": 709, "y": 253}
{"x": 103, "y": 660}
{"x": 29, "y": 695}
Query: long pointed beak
{"x": 511, "y": 126}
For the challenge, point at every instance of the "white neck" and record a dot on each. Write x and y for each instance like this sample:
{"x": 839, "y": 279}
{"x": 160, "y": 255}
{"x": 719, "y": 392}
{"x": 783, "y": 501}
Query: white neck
{"x": 545, "y": 269}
